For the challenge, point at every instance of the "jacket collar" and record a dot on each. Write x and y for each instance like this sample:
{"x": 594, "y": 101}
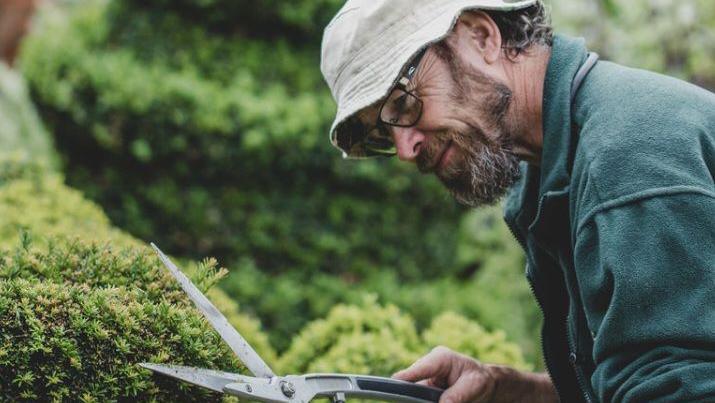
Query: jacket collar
{"x": 553, "y": 175}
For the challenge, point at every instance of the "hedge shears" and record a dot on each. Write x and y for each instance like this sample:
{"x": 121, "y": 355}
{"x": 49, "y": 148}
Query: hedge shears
{"x": 265, "y": 385}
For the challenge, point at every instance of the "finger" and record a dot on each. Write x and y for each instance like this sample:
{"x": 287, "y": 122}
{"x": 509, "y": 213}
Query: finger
{"x": 472, "y": 387}
{"x": 432, "y": 365}
{"x": 427, "y": 382}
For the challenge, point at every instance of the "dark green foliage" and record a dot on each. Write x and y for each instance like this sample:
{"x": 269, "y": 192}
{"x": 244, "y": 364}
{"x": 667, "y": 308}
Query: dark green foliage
{"x": 493, "y": 291}
{"x": 300, "y": 20}
{"x": 216, "y": 145}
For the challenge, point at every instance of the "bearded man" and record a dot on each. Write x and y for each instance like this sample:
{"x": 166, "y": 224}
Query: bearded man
{"x": 609, "y": 174}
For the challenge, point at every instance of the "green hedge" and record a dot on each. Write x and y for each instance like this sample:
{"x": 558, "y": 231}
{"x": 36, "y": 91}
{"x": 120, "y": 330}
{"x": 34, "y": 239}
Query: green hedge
{"x": 460, "y": 334}
{"x": 217, "y": 145}
{"x": 69, "y": 343}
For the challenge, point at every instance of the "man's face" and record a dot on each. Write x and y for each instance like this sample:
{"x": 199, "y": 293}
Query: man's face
{"x": 462, "y": 136}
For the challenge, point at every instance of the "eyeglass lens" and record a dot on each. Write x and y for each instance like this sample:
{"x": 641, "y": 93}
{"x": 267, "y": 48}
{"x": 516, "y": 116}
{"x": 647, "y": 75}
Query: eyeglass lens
{"x": 401, "y": 108}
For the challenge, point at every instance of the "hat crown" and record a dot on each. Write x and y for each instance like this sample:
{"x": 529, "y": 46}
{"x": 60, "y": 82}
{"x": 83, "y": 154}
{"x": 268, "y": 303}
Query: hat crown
{"x": 357, "y": 25}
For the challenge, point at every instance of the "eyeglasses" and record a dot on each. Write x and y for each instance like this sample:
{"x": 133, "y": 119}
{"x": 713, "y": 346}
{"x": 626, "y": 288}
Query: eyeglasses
{"x": 402, "y": 108}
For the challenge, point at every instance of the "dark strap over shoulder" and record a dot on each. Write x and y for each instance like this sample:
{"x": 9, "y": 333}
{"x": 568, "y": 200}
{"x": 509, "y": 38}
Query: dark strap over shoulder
{"x": 582, "y": 73}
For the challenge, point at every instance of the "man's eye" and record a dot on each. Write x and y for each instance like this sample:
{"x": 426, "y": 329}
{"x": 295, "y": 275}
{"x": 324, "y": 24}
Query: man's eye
{"x": 400, "y": 103}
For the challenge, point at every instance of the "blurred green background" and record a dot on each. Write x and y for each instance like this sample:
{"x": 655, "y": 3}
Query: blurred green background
{"x": 202, "y": 125}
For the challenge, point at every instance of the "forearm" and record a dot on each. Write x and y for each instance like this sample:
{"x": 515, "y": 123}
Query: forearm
{"x": 516, "y": 386}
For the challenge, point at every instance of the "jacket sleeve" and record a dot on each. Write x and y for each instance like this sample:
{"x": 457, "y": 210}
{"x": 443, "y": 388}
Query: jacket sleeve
{"x": 646, "y": 273}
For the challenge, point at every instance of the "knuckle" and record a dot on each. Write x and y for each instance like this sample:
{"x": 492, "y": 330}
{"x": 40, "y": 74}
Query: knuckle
{"x": 441, "y": 350}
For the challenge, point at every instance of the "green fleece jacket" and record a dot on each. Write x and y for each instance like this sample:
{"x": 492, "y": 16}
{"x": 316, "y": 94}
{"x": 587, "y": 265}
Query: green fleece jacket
{"x": 618, "y": 223}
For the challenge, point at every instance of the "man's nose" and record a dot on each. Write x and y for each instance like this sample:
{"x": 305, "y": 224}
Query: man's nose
{"x": 408, "y": 142}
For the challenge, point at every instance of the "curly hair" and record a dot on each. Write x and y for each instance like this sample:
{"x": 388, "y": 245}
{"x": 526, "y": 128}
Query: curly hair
{"x": 521, "y": 29}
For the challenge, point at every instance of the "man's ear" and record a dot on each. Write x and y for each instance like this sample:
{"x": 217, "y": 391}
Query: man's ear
{"x": 482, "y": 33}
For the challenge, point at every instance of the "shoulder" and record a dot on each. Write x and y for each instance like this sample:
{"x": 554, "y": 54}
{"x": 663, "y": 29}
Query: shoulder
{"x": 641, "y": 131}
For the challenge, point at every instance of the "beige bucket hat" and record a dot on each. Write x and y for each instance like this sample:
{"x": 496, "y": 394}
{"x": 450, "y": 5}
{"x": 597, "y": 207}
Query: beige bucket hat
{"x": 368, "y": 43}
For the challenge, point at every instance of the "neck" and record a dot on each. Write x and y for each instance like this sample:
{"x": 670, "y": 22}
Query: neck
{"x": 527, "y": 75}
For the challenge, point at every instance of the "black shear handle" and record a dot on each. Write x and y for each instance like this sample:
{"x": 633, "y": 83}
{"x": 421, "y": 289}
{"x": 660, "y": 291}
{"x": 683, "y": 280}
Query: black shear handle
{"x": 399, "y": 389}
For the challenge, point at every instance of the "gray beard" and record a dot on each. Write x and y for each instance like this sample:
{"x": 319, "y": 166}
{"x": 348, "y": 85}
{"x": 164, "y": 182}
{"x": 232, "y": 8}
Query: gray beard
{"x": 483, "y": 177}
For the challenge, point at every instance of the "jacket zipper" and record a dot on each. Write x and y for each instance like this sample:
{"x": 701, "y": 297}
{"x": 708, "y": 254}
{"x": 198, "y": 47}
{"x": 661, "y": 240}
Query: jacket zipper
{"x": 573, "y": 358}
{"x": 547, "y": 359}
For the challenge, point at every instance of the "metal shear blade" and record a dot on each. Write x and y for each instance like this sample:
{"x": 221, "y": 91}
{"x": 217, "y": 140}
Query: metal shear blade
{"x": 247, "y": 387}
{"x": 206, "y": 378}
{"x": 235, "y": 341}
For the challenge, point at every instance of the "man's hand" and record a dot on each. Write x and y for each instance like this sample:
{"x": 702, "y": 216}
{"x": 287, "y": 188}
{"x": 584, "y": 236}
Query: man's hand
{"x": 467, "y": 380}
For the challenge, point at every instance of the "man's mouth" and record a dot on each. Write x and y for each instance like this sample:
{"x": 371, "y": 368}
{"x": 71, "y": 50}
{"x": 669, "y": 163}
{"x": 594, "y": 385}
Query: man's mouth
{"x": 443, "y": 158}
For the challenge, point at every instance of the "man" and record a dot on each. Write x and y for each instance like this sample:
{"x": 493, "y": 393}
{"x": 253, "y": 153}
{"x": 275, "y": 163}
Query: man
{"x": 14, "y": 22}
{"x": 610, "y": 178}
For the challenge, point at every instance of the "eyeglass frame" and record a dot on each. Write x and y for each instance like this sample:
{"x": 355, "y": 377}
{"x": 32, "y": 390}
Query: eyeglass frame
{"x": 402, "y": 84}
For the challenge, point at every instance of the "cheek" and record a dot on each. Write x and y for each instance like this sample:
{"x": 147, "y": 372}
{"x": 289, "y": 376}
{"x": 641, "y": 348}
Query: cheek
{"x": 441, "y": 115}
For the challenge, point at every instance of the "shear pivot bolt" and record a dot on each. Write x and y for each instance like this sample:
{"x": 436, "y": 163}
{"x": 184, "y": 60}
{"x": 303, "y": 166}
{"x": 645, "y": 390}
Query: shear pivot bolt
{"x": 287, "y": 388}
{"x": 249, "y": 389}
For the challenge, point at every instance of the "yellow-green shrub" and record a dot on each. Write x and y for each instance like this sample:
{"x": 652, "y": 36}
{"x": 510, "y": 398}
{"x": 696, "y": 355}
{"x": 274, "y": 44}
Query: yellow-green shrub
{"x": 468, "y": 337}
{"x": 42, "y": 204}
{"x": 372, "y": 339}
{"x": 367, "y": 338}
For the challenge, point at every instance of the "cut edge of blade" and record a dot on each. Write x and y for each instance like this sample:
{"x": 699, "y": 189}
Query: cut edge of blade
{"x": 205, "y": 378}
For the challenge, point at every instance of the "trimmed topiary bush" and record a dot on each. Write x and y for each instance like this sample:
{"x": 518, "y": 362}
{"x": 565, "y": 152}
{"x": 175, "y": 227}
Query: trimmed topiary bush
{"x": 77, "y": 318}
{"x": 74, "y": 343}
